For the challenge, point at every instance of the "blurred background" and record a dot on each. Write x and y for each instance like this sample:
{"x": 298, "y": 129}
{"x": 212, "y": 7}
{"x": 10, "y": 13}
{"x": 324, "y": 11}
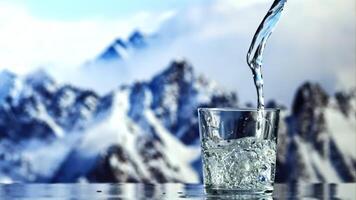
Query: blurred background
{"x": 107, "y": 91}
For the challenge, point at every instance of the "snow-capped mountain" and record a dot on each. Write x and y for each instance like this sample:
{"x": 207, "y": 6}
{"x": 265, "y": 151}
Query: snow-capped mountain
{"x": 148, "y": 132}
{"x": 138, "y": 125}
{"x": 317, "y": 139}
{"x": 35, "y": 104}
{"x": 36, "y": 117}
{"x": 121, "y": 49}
{"x": 119, "y": 149}
{"x": 145, "y": 126}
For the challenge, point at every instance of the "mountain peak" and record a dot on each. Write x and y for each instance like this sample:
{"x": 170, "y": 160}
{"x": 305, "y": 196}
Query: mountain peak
{"x": 137, "y": 39}
{"x": 309, "y": 117}
{"x": 9, "y": 85}
{"x": 181, "y": 65}
{"x": 309, "y": 96}
{"x": 41, "y": 81}
{"x": 120, "y": 48}
{"x": 178, "y": 71}
{"x": 39, "y": 76}
{"x": 346, "y": 101}
{"x": 110, "y": 53}
{"x": 121, "y": 42}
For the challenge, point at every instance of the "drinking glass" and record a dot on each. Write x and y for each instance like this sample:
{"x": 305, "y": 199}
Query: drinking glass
{"x": 238, "y": 149}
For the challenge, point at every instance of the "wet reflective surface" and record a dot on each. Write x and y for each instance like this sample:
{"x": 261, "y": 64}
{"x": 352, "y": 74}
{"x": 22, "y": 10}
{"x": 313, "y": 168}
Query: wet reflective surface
{"x": 167, "y": 191}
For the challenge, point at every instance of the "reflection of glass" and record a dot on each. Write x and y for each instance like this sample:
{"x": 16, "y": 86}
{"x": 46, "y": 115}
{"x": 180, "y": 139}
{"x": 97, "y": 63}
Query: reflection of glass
{"x": 240, "y": 197}
{"x": 168, "y": 191}
{"x": 239, "y": 149}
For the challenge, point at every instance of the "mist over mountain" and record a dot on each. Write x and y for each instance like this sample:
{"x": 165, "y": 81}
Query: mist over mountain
{"x": 147, "y": 131}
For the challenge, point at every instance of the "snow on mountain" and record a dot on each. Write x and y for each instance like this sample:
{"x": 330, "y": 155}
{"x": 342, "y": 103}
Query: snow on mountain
{"x": 117, "y": 149}
{"x": 34, "y": 125}
{"x": 148, "y": 131}
{"x": 315, "y": 137}
{"x": 42, "y": 107}
{"x": 63, "y": 133}
{"x": 177, "y": 92}
{"x": 133, "y": 139}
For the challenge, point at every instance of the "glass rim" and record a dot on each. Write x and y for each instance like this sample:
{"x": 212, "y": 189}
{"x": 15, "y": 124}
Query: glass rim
{"x": 227, "y": 109}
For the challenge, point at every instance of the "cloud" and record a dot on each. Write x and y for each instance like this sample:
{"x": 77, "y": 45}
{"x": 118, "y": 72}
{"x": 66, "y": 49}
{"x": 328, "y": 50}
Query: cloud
{"x": 308, "y": 44}
{"x": 27, "y": 42}
{"x": 315, "y": 40}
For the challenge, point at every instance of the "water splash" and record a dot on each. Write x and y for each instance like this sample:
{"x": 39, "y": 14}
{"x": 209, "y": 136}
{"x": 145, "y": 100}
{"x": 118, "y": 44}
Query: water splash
{"x": 255, "y": 52}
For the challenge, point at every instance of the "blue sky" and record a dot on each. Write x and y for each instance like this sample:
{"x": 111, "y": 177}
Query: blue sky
{"x": 83, "y": 9}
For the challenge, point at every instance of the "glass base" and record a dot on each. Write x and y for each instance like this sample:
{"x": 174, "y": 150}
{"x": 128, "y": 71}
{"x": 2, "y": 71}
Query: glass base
{"x": 240, "y": 192}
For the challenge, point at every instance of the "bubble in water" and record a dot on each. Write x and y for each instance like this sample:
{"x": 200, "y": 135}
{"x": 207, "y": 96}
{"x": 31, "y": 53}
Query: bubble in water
{"x": 241, "y": 164}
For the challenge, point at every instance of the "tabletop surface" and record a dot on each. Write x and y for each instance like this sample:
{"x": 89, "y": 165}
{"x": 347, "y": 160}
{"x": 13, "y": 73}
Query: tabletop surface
{"x": 167, "y": 191}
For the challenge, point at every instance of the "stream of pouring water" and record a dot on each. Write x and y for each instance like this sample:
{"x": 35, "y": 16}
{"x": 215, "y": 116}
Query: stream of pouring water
{"x": 255, "y": 57}
{"x": 255, "y": 52}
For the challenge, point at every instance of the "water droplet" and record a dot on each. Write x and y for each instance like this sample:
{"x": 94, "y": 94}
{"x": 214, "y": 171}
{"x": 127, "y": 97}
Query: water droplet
{"x": 262, "y": 178}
